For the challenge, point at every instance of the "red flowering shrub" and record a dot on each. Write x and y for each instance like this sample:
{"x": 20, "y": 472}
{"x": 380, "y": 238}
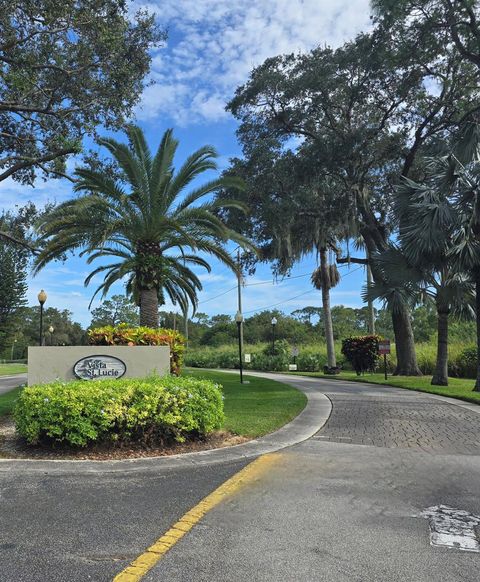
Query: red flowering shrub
{"x": 123, "y": 335}
{"x": 361, "y": 352}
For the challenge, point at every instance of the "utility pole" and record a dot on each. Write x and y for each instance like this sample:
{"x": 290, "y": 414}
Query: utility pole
{"x": 239, "y": 280}
{"x": 371, "y": 310}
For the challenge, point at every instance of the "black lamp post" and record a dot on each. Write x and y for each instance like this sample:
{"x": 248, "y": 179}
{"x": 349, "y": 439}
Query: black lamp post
{"x": 239, "y": 320}
{"x": 274, "y": 323}
{"x": 42, "y": 297}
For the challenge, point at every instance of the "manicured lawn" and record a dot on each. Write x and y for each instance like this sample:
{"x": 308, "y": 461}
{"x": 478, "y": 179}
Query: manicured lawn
{"x": 457, "y": 388}
{"x": 256, "y": 408}
{"x": 7, "y": 401}
{"x": 9, "y": 369}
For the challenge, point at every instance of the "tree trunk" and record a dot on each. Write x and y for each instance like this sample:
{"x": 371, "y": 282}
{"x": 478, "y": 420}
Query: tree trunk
{"x": 371, "y": 310}
{"x": 440, "y": 377}
{"x": 477, "y": 314}
{"x": 375, "y": 240}
{"x": 149, "y": 307}
{"x": 327, "y": 313}
{"x": 404, "y": 343}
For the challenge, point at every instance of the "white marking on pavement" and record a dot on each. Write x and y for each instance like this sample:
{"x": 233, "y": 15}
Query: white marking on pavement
{"x": 452, "y": 528}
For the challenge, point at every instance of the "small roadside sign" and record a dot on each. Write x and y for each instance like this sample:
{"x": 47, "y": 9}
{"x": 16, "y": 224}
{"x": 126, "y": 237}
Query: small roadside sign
{"x": 295, "y": 351}
{"x": 384, "y": 350}
{"x": 384, "y": 347}
{"x": 248, "y": 358}
{"x": 292, "y": 367}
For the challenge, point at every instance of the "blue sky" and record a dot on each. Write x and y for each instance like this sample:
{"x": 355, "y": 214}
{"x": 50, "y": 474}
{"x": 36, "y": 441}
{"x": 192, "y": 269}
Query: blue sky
{"x": 212, "y": 46}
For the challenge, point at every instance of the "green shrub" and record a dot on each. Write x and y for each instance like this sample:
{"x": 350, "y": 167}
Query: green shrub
{"x": 361, "y": 352}
{"x": 123, "y": 335}
{"x": 147, "y": 410}
{"x": 279, "y": 348}
{"x": 466, "y": 362}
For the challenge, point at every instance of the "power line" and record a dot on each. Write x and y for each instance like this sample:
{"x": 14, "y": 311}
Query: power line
{"x": 272, "y": 283}
{"x": 296, "y": 296}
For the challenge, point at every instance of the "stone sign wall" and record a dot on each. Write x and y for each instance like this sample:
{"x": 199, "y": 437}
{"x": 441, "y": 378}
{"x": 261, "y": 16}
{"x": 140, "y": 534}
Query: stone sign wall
{"x": 48, "y": 363}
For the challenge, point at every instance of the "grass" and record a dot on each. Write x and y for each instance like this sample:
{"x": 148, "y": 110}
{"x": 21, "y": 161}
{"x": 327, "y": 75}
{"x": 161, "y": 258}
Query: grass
{"x": 257, "y": 408}
{"x": 7, "y": 401}
{"x": 10, "y": 369}
{"x": 458, "y": 387}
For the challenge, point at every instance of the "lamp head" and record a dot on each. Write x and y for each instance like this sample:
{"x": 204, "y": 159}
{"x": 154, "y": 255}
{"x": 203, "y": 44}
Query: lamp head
{"x": 42, "y": 297}
{"x": 51, "y": 329}
{"x": 239, "y": 317}
{"x": 274, "y": 321}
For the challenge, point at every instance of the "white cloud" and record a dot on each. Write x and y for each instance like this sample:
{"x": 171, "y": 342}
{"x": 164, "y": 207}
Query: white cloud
{"x": 214, "y": 44}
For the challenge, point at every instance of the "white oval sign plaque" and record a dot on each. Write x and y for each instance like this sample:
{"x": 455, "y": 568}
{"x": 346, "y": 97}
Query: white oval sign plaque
{"x": 98, "y": 367}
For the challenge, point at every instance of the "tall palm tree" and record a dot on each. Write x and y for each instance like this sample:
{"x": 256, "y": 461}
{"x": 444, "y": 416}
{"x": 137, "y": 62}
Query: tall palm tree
{"x": 144, "y": 222}
{"x": 324, "y": 278}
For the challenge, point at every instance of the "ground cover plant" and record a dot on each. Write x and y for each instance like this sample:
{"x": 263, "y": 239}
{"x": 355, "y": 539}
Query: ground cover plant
{"x": 8, "y": 400}
{"x": 256, "y": 408}
{"x": 153, "y": 410}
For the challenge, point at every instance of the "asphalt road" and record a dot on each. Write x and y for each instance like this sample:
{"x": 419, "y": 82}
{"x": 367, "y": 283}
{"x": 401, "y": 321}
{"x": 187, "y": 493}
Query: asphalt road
{"x": 9, "y": 382}
{"x": 343, "y": 505}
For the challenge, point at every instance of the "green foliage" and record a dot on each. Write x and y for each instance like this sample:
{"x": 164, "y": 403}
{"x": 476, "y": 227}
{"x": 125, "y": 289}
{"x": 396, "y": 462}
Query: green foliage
{"x": 118, "y": 309}
{"x": 149, "y": 410}
{"x": 14, "y": 260}
{"x": 361, "y": 352}
{"x": 123, "y": 335}
{"x": 281, "y": 347}
{"x": 67, "y": 68}
{"x": 466, "y": 362}
{"x": 152, "y": 229}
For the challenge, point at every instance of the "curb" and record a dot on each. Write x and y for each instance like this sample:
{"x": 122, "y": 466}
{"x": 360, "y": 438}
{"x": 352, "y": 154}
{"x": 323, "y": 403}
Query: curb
{"x": 302, "y": 427}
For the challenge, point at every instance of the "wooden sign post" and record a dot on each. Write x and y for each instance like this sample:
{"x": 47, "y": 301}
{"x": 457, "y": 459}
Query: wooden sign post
{"x": 384, "y": 349}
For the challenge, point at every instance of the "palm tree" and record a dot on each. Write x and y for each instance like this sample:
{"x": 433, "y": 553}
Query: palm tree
{"x": 324, "y": 278}
{"x": 411, "y": 278}
{"x": 144, "y": 222}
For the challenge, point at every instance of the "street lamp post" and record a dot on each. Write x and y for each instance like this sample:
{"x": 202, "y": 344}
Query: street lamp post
{"x": 51, "y": 329}
{"x": 274, "y": 323}
{"x": 42, "y": 297}
{"x": 239, "y": 320}
{"x": 13, "y": 348}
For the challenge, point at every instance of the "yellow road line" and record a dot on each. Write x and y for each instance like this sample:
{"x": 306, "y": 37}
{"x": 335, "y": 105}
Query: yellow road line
{"x": 145, "y": 562}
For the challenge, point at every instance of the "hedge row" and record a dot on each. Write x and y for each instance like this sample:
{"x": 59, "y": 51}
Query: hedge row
{"x": 148, "y": 410}
{"x": 312, "y": 358}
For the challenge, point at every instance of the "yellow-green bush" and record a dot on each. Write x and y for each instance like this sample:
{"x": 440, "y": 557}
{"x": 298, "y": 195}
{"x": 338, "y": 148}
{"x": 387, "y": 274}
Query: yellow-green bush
{"x": 146, "y": 410}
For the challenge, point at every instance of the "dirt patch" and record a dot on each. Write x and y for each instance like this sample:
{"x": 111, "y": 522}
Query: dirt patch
{"x": 14, "y": 447}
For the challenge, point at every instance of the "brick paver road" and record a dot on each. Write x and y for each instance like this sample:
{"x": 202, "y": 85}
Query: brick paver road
{"x": 400, "y": 419}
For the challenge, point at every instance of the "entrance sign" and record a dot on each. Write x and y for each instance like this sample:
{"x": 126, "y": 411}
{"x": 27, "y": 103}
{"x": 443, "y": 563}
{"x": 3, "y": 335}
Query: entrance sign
{"x": 384, "y": 347}
{"x": 292, "y": 367}
{"x": 97, "y": 367}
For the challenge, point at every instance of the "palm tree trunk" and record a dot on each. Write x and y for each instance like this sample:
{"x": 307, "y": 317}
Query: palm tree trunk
{"x": 440, "y": 377}
{"x": 477, "y": 316}
{"x": 404, "y": 343}
{"x": 149, "y": 307}
{"x": 327, "y": 313}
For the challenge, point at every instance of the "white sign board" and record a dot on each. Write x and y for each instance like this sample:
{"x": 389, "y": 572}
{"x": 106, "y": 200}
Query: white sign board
{"x": 292, "y": 367}
{"x": 248, "y": 358}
